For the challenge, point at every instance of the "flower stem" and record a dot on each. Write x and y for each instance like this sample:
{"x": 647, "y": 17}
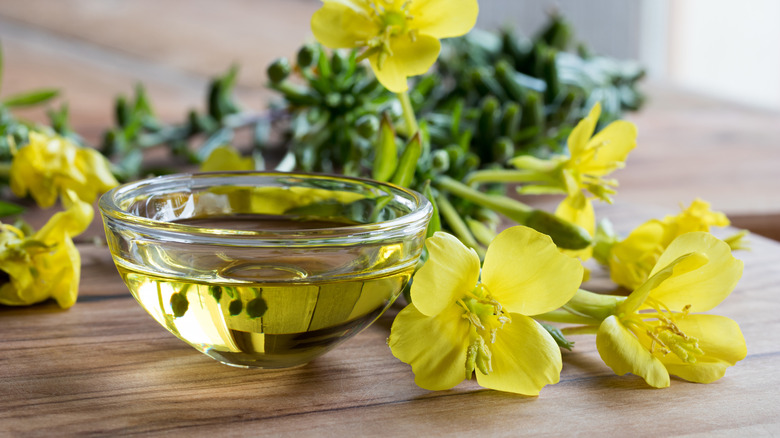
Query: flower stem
{"x": 5, "y": 170}
{"x": 409, "y": 119}
{"x": 565, "y": 316}
{"x": 506, "y": 175}
{"x": 593, "y": 305}
{"x": 509, "y": 207}
{"x": 457, "y": 225}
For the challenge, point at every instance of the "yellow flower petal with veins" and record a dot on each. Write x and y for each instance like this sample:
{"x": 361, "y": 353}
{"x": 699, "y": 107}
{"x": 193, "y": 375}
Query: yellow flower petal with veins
{"x": 706, "y": 287}
{"x": 522, "y": 269}
{"x": 621, "y": 350}
{"x": 450, "y": 272}
{"x": 526, "y": 358}
{"x": 436, "y": 365}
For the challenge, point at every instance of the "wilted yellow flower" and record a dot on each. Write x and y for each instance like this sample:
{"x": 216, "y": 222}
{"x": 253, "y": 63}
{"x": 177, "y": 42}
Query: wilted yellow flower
{"x": 645, "y": 337}
{"x": 226, "y": 158}
{"x": 631, "y": 259}
{"x": 50, "y": 165}
{"x": 458, "y": 324}
{"x": 400, "y": 37}
{"x": 46, "y": 264}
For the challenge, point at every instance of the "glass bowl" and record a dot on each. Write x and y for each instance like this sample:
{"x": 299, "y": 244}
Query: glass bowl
{"x": 266, "y": 270}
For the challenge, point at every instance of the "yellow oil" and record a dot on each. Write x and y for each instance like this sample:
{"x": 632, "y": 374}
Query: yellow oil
{"x": 255, "y": 321}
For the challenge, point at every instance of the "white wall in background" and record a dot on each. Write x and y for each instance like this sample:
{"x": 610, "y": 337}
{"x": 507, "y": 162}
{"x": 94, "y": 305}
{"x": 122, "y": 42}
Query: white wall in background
{"x": 727, "y": 48}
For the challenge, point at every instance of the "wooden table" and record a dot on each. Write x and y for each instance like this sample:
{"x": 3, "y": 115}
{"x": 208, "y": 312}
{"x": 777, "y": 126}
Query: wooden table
{"x": 104, "y": 367}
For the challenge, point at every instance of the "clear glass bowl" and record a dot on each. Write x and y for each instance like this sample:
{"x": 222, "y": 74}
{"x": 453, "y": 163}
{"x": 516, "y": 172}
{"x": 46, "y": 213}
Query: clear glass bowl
{"x": 264, "y": 270}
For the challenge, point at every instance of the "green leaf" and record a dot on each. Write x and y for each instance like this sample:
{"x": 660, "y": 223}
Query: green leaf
{"x": 31, "y": 98}
{"x": 435, "y": 224}
{"x": 8, "y": 209}
{"x": 558, "y": 336}
{"x": 404, "y": 174}
{"x": 386, "y": 155}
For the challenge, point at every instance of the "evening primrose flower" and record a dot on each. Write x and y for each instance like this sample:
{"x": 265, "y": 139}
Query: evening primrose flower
{"x": 400, "y": 37}
{"x": 591, "y": 158}
{"x": 459, "y": 324}
{"x": 631, "y": 259}
{"x": 47, "y": 263}
{"x": 50, "y": 165}
{"x": 226, "y": 158}
{"x": 653, "y": 333}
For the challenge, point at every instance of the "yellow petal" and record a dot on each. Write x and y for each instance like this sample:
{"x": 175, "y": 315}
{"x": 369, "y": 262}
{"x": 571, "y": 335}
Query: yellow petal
{"x": 452, "y": 270}
{"x": 525, "y": 358}
{"x": 525, "y": 272}
{"x": 614, "y": 143}
{"x": 435, "y": 347}
{"x": 66, "y": 282}
{"x": 702, "y": 288}
{"x": 623, "y": 352}
{"x": 444, "y": 18}
{"x": 226, "y": 158}
{"x": 584, "y": 217}
{"x": 722, "y": 342}
{"x": 632, "y": 259}
{"x": 580, "y": 135}
{"x": 98, "y": 173}
{"x": 72, "y": 222}
{"x": 408, "y": 59}
{"x": 343, "y": 25}
{"x": 683, "y": 264}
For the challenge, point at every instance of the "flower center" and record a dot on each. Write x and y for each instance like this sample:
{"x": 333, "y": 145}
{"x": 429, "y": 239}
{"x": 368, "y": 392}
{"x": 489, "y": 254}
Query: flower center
{"x": 392, "y": 21}
{"x": 666, "y": 336}
{"x": 486, "y": 317}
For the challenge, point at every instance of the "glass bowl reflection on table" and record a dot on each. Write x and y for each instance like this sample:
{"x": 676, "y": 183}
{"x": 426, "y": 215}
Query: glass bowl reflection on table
{"x": 265, "y": 270}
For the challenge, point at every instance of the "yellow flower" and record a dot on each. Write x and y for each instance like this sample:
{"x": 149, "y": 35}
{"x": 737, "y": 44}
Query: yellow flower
{"x": 50, "y": 165}
{"x": 631, "y": 259}
{"x": 401, "y": 37}
{"x": 458, "y": 325}
{"x": 591, "y": 158}
{"x": 647, "y": 338}
{"x": 46, "y": 264}
{"x": 226, "y": 158}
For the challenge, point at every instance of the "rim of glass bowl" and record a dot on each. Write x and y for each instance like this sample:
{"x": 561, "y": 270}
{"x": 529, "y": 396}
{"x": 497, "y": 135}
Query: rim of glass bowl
{"x": 401, "y": 226}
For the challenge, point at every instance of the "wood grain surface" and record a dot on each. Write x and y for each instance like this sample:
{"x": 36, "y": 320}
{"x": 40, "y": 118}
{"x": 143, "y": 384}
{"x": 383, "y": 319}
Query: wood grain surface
{"x": 105, "y": 367}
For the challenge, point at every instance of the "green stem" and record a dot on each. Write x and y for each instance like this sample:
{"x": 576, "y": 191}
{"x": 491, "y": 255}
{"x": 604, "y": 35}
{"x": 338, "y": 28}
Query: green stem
{"x": 565, "y": 316}
{"x": 509, "y": 207}
{"x": 507, "y": 176}
{"x": 593, "y": 305}
{"x": 409, "y": 119}
{"x": 457, "y": 225}
{"x": 5, "y": 170}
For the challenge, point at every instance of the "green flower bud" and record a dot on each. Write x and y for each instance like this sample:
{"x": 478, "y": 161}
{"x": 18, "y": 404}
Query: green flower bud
{"x": 279, "y": 70}
{"x": 307, "y": 55}
{"x": 367, "y": 126}
{"x": 440, "y": 160}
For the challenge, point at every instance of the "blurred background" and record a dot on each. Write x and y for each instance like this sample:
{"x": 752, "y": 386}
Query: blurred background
{"x": 711, "y": 127}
